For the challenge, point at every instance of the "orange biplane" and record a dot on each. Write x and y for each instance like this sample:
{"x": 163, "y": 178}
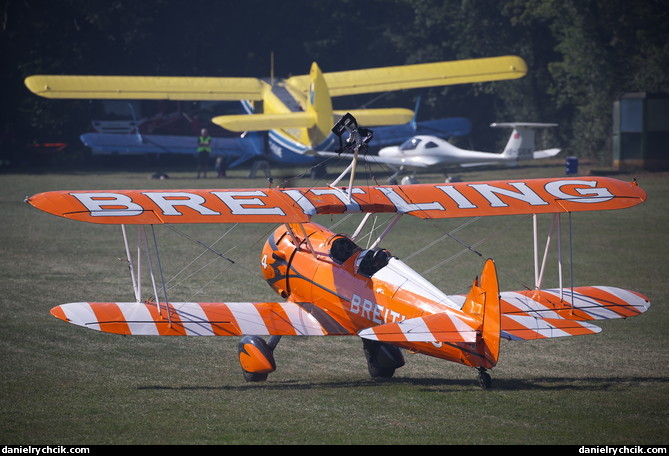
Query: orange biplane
{"x": 328, "y": 285}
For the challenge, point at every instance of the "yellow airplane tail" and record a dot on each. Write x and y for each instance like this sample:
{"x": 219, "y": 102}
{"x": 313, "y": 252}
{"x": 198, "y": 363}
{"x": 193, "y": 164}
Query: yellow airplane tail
{"x": 319, "y": 105}
{"x": 483, "y": 303}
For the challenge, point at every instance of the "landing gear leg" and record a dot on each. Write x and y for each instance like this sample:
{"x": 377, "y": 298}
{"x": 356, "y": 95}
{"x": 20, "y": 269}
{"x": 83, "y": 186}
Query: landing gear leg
{"x": 484, "y": 379}
{"x": 392, "y": 180}
{"x": 382, "y": 359}
{"x": 257, "y": 357}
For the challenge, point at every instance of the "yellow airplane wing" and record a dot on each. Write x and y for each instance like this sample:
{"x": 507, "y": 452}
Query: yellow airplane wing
{"x": 262, "y": 122}
{"x": 417, "y": 76}
{"x": 145, "y": 87}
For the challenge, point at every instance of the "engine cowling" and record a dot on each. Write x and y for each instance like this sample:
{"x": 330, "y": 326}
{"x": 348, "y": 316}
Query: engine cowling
{"x": 275, "y": 260}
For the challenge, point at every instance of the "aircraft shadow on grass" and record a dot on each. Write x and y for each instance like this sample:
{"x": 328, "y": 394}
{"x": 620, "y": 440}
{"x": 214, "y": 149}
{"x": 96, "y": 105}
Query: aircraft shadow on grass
{"x": 444, "y": 385}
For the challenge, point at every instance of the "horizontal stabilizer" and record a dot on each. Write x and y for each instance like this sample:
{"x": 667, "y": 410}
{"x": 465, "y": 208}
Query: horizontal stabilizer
{"x": 442, "y": 327}
{"x": 265, "y": 122}
{"x": 545, "y": 153}
{"x": 522, "y": 124}
{"x": 296, "y": 205}
{"x": 200, "y": 319}
{"x": 530, "y": 328}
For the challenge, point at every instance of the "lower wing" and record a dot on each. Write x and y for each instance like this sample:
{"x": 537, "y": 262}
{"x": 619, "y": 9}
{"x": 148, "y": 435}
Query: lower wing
{"x": 200, "y": 319}
{"x": 540, "y": 314}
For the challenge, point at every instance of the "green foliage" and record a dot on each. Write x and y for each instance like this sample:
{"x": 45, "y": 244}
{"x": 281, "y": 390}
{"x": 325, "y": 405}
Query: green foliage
{"x": 581, "y": 54}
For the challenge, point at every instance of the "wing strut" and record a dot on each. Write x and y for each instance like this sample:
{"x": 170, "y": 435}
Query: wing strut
{"x": 135, "y": 286}
{"x": 162, "y": 280}
{"x": 136, "y": 273}
{"x": 539, "y": 272}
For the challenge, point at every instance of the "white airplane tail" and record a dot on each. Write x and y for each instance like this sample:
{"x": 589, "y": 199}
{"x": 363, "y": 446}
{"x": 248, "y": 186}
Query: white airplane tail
{"x": 521, "y": 143}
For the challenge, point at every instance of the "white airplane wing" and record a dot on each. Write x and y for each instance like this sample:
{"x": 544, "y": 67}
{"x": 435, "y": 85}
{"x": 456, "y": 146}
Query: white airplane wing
{"x": 412, "y": 162}
{"x": 545, "y": 153}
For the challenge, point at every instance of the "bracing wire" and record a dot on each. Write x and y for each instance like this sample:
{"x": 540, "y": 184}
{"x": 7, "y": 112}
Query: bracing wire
{"x": 474, "y": 246}
{"x": 446, "y": 235}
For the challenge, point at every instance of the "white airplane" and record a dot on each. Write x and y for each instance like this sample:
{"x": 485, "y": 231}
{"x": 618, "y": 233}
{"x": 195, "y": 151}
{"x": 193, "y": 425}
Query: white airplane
{"x": 422, "y": 152}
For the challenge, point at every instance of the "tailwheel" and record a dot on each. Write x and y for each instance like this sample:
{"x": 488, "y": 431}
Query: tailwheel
{"x": 256, "y": 357}
{"x": 485, "y": 382}
{"x": 382, "y": 359}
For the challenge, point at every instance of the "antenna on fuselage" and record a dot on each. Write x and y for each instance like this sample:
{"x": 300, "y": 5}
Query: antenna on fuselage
{"x": 351, "y": 139}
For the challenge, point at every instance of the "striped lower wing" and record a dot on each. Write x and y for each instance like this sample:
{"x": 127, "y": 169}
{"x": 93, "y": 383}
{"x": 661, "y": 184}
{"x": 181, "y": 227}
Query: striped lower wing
{"x": 541, "y": 314}
{"x": 538, "y": 314}
{"x": 196, "y": 319}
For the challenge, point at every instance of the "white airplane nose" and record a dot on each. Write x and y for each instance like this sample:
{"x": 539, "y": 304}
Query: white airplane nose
{"x": 389, "y": 151}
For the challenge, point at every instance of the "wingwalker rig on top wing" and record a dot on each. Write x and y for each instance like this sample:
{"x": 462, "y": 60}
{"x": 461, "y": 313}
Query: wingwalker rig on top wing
{"x": 331, "y": 286}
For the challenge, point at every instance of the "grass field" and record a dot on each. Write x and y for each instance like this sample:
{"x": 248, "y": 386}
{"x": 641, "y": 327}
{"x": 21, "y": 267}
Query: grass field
{"x": 63, "y": 384}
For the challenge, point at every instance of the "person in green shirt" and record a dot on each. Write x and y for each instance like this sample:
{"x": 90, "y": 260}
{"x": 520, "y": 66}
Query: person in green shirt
{"x": 203, "y": 153}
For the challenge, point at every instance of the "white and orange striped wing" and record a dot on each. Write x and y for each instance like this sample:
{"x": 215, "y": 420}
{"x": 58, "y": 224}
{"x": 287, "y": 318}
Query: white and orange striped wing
{"x": 442, "y": 327}
{"x": 199, "y": 319}
{"x": 540, "y": 314}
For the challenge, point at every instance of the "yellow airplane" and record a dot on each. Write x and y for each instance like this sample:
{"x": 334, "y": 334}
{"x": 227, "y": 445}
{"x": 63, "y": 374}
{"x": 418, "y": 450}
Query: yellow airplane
{"x": 296, "y": 112}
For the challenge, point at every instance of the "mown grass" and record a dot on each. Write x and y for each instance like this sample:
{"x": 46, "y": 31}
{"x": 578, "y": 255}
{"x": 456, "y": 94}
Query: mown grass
{"x": 62, "y": 384}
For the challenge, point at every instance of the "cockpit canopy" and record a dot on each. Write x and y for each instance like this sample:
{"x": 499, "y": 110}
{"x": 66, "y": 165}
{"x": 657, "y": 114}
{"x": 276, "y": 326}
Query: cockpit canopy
{"x": 413, "y": 143}
{"x": 410, "y": 144}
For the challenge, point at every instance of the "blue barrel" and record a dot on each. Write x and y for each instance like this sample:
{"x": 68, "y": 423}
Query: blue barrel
{"x": 571, "y": 165}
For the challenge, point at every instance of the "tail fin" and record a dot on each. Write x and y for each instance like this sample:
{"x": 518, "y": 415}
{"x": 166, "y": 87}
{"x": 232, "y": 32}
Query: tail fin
{"x": 483, "y": 302}
{"x": 521, "y": 142}
{"x": 319, "y": 105}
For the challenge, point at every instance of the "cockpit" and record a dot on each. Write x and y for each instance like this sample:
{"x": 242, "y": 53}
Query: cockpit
{"x": 413, "y": 143}
{"x": 410, "y": 144}
{"x": 368, "y": 261}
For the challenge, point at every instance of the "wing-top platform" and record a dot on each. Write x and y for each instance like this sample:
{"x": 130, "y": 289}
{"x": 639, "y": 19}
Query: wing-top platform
{"x": 298, "y": 205}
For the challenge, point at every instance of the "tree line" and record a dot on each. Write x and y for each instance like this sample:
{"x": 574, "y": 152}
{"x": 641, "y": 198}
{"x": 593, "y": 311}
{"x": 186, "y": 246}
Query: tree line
{"x": 582, "y": 54}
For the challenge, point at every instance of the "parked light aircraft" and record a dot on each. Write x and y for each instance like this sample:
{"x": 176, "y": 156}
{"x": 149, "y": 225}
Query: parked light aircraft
{"x": 330, "y": 286}
{"x": 297, "y": 112}
{"x": 431, "y": 152}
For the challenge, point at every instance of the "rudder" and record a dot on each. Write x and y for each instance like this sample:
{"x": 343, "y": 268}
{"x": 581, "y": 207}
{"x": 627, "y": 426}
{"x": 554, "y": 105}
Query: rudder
{"x": 483, "y": 302}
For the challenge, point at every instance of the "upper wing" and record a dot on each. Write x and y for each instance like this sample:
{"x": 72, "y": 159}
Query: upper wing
{"x": 462, "y": 199}
{"x": 417, "y": 76}
{"x": 200, "y": 319}
{"x": 145, "y": 87}
{"x": 339, "y": 83}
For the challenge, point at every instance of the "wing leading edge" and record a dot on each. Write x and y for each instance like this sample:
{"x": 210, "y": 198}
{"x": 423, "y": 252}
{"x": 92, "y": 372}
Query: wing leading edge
{"x": 297, "y": 205}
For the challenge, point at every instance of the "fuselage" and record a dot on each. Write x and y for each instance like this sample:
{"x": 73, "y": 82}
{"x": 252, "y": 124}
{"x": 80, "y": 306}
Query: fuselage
{"x": 434, "y": 151}
{"x": 356, "y": 288}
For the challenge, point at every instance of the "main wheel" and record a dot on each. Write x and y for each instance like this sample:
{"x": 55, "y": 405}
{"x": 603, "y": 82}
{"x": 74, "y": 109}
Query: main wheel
{"x": 382, "y": 359}
{"x": 485, "y": 382}
{"x": 256, "y": 358}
